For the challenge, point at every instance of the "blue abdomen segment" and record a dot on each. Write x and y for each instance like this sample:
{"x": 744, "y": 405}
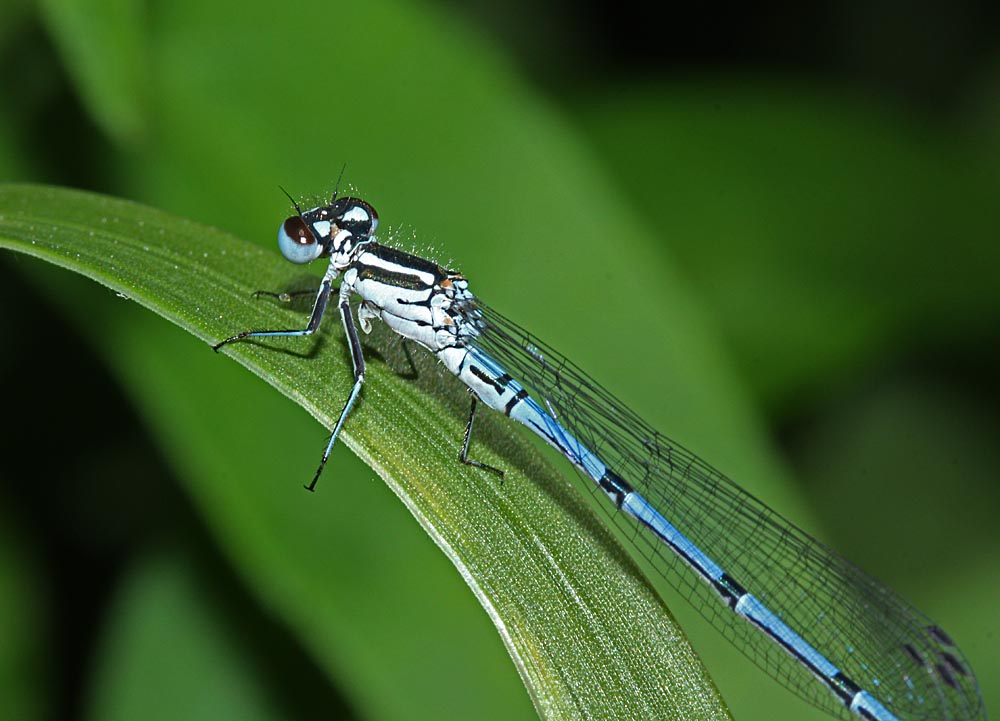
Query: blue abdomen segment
{"x": 637, "y": 506}
{"x": 867, "y": 706}
{"x": 535, "y": 417}
{"x": 500, "y": 391}
{"x": 497, "y": 389}
{"x": 745, "y": 604}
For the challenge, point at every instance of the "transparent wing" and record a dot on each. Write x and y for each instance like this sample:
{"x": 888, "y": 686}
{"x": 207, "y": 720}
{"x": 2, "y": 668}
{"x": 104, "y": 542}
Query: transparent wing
{"x": 872, "y": 635}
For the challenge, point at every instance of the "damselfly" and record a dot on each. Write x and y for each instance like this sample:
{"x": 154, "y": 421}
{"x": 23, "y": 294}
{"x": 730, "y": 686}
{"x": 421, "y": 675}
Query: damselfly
{"x": 817, "y": 623}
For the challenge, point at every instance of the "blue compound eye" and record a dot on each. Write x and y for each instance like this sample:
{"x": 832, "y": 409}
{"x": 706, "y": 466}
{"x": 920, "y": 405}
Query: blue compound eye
{"x": 297, "y": 242}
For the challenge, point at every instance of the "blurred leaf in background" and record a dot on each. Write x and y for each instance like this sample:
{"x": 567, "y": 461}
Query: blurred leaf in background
{"x": 772, "y": 232}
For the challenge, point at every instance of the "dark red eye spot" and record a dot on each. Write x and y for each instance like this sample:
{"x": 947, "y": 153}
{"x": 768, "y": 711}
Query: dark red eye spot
{"x": 298, "y": 231}
{"x": 297, "y": 241}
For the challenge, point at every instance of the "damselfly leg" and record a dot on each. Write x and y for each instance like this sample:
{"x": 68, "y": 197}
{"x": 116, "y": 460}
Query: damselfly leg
{"x": 464, "y": 455}
{"x": 319, "y": 308}
{"x": 357, "y": 359}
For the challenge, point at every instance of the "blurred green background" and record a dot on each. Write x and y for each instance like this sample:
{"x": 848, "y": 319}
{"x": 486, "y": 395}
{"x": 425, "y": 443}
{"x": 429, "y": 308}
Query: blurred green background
{"x": 804, "y": 290}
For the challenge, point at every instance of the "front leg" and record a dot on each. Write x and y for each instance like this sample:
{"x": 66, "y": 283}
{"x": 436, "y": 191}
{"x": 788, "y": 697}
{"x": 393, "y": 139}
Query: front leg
{"x": 319, "y": 307}
{"x": 358, "y": 361}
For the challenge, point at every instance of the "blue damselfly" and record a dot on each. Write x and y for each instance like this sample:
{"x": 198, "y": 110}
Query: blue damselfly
{"x": 814, "y": 621}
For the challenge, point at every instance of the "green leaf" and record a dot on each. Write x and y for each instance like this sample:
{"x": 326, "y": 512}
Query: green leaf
{"x": 165, "y": 603}
{"x": 102, "y": 47}
{"x": 821, "y": 228}
{"x": 588, "y": 634}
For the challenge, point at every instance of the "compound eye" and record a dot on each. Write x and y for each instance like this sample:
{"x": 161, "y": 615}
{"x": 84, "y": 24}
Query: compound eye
{"x": 297, "y": 242}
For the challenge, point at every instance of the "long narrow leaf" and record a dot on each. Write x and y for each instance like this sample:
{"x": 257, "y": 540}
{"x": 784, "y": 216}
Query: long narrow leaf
{"x": 587, "y": 633}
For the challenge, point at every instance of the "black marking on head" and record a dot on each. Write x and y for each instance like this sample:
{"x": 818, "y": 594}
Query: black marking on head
{"x": 351, "y": 214}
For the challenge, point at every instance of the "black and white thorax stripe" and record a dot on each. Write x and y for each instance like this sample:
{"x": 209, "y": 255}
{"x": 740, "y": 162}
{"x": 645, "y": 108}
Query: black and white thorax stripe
{"x": 415, "y": 297}
{"x": 432, "y": 306}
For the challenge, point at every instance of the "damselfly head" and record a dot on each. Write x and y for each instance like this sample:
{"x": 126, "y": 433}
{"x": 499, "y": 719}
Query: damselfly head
{"x": 298, "y": 242}
{"x": 337, "y": 228}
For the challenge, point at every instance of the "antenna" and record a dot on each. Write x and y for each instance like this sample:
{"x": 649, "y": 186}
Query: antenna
{"x": 287, "y": 195}
{"x": 336, "y": 188}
